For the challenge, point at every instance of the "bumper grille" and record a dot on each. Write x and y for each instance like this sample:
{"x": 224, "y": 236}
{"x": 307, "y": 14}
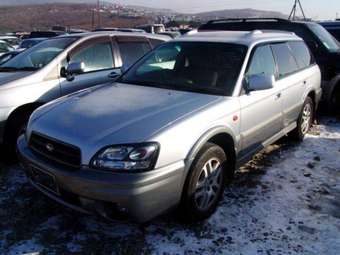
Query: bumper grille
{"x": 56, "y": 151}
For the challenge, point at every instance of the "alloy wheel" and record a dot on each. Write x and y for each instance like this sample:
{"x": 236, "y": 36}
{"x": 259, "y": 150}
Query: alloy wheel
{"x": 306, "y": 118}
{"x": 208, "y": 184}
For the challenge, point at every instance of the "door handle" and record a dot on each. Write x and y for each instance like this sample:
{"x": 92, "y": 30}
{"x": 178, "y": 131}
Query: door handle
{"x": 278, "y": 96}
{"x": 113, "y": 75}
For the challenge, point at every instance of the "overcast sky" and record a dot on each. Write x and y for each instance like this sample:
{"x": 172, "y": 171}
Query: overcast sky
{"x": 321, "y": 9}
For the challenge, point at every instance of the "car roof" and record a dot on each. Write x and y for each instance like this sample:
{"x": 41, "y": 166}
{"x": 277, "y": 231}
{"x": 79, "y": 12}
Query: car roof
{"x": 330, "y": 24}
{"x": 240, "y": 37}
{"x": 117, "y": 33}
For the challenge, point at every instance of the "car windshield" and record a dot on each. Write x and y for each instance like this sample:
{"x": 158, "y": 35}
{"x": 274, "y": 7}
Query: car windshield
{"x": 325, "y": 37}
{"x": 38, "y": 56}
{"x": 25, "y": 44}
{"x": 203, "y": 67}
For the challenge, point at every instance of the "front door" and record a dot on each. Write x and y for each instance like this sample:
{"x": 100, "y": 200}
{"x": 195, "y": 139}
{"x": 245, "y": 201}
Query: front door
{"x": 261, "y": 111}
{"x": 98, "y": 58}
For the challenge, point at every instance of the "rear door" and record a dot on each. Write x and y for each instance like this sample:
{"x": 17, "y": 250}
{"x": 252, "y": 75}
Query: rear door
{"x": 99, "y": 59}
{"x": 261, "y": 111}
{"x": 131, "y": 49}
{"x": 290, "y": 79}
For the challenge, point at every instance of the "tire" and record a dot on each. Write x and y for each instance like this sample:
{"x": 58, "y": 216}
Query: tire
{"x": 15, "y": 128}
{"x": 335, "y": 102}
{"x": 201, "y": 195}
{"x": 304, "y": 121}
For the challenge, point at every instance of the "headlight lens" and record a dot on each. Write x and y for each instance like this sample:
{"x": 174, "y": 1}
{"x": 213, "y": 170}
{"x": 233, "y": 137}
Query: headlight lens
{"x": 140, "y": 157}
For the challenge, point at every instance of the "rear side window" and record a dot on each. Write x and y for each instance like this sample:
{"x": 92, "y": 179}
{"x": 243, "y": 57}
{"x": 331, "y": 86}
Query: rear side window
{"x": 301, "y": 54}
{"x": 262, "y": 62}
{"x": 285, "y": 60}
{"x": 132, "y": 51}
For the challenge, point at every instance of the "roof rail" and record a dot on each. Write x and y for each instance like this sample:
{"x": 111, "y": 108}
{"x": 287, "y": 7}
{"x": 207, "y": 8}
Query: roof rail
{"x": 247, "y": 19}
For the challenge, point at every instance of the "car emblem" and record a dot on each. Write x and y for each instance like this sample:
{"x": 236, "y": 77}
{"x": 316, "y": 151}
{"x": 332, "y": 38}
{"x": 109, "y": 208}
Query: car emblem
{"x": 49, "y": 147}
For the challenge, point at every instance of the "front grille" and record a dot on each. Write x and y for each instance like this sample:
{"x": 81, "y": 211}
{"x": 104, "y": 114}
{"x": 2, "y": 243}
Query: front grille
{"x": 56, "y": 151}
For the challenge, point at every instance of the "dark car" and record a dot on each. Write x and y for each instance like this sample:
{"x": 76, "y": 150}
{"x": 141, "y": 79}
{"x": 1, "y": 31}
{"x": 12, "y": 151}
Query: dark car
{"x": 9, "y": 55}
{"x": 333, "y": 27}
{"x": 321, "y": 43}
{"x": 46, "y": 34}
{"x": 28, "y": 43}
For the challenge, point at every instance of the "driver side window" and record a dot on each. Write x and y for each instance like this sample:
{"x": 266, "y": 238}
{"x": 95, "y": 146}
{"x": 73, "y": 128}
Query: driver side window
{"x": 262, "y": 62}
{"x": 96, "y": 57}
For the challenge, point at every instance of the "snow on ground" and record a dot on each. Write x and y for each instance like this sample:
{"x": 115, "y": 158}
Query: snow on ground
{"x": 286, "y": 201}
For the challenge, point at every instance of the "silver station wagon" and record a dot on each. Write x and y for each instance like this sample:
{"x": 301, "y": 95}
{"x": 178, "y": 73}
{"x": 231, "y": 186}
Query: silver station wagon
{"x": 173, "y": 129}
{"x": 60, "y": 66}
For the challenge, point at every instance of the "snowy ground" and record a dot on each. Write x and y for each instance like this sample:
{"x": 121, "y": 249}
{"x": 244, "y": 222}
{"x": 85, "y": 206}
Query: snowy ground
{"x": 287, "y": 201}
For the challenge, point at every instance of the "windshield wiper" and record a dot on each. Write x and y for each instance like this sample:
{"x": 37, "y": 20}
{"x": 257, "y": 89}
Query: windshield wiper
{"x": 27, "y": 68}
{"x": 7, "y": 69}
{"x": 12, "y": 69}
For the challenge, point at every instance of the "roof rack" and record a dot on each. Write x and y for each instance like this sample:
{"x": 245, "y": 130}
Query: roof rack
{"x": 247, "y": 19}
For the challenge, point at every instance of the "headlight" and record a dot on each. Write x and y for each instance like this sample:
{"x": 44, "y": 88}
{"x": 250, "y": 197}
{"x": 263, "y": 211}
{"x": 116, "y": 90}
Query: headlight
{"x": 137, "y": 157}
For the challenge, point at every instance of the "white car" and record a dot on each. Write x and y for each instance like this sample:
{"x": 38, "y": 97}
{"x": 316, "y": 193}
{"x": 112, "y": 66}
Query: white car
{"x": 174, "y": 127}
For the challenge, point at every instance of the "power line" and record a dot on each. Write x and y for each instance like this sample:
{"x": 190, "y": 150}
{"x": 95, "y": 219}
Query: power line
{"x": 297, "y": 4}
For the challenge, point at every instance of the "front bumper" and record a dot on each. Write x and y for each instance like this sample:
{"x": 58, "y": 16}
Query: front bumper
{"x": 140, "y": 196}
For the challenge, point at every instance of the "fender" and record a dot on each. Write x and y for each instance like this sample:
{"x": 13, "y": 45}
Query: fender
{"x": 204, "y": 139}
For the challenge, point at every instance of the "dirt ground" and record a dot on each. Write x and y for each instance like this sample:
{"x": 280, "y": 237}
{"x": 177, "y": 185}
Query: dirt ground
{"x": 286, "y": 201}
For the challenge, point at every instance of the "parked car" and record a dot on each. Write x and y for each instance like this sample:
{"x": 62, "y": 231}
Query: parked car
{"x": 29, "y": 43}
{"x": 5, "y": 47}
{"x": 8, "y": 55}
{"x": 45, "y": 34}
{"x": 152, "y": 28}
{"x": 59, "y": 66}
{"x": 172, "y": 34}
{"x": 111, "y": 29}
{"x": 332, "y": 27}
{"x": 11, "y": 40}
{"x": 174, "y": 127}
{"x": 322, "y": 44}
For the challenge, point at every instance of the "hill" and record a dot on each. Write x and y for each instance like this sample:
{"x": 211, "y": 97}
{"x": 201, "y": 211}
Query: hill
{"x": 34, "y": 17}
{"x": 240, "y": 13}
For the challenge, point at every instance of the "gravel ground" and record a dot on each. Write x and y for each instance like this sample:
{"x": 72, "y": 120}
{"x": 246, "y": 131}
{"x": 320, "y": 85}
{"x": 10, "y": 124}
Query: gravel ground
{"x": 286, "y": 201}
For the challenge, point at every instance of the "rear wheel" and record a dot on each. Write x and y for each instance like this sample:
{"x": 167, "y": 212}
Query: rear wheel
{"x": 335, "y": 101}
{"x": 204, "y": 185}
{"x": 305, "y": 120}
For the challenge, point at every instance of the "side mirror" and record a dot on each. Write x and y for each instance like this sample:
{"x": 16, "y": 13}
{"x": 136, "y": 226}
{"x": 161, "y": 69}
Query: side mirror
{"x": 72, "y": 69}
{"x": 260, "y": 82}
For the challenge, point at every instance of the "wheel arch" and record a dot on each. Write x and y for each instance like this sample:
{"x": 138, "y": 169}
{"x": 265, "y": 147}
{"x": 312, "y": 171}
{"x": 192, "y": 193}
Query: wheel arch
{"x": 19, "y": 111}
{"x": 221, "y": 136}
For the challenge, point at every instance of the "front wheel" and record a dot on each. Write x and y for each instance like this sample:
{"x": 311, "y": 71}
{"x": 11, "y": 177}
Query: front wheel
{"x": 204, "y": 185}
{"x": 304, "y": 121}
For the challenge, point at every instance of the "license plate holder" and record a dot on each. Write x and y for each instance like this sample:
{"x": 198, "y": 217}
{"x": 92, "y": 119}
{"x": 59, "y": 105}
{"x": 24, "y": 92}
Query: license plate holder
{"x": 44, "y": 179}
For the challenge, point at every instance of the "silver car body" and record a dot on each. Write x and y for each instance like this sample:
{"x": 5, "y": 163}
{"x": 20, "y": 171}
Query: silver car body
{"x": 181, "y": 122}
{"x": 21, "y": 89}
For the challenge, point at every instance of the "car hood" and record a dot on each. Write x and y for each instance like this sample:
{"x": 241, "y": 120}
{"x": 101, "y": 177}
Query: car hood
{"x": 7, "y": 77}
{"x": 116, "y": 114}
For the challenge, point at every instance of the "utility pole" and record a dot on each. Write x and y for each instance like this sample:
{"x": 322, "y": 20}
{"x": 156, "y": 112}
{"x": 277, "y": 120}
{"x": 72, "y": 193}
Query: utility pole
{"x": 297, "y": 4}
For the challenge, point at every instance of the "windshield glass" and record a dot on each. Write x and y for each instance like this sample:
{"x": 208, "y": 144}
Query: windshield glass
{"x": 202, "y": 67}
{"x": 38, "y": 56}
{"x": 325, "y": 37}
